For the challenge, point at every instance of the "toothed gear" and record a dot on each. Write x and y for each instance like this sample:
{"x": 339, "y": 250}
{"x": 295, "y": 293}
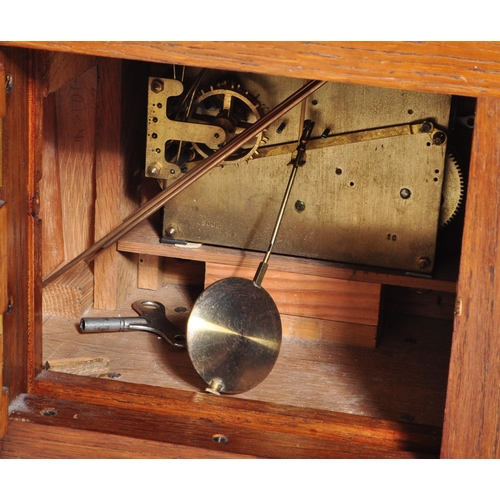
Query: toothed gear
{"x": 230, "y": 107}
{"x": 453, "y": 190}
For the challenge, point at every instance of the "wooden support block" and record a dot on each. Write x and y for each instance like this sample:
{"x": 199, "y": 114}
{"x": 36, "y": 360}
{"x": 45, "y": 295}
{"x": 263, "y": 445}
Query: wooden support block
{"x": 315, "y": 307}
{"x": 76, "y": 118}
{"x": 336, "y": 332}
{"x": 118, "y": 171}
{"x": 50, "y": 192}
{"x": 182, "y": 272}
{"x": 311, "y": 296}
{"x": 418, "y": 302}
{"x": 147, "y": 272}
{"x": 71, "y": 295}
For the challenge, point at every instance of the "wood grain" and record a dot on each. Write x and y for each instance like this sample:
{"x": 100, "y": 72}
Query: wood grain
{"x": 18, "y": 181}
{"x": 51, "y": 211}
{"x": 76, "y": 118}
{"x": 392, "y": 381}
{"x": 192, "y": 419}
{"x": 4, "y": 297}
{"x": 39, "y": 441}
{"x": 472, "y": 426}
{"x": 463, "y": 68}
{"x": 71, "y": 295}
{"x": 338, "y": 332}
{"x": 117, "y": 185}
{"x": 147, "y": 272}
{"x": 143, "y": 239}
{"x": 4, "y": 408}
{"x": 61, "y": 68}
{"x": 3, "y": 93}
{"x": 311, "y": 296}
{"x": 88, "y": 367}
{"x": 418, "y": 302}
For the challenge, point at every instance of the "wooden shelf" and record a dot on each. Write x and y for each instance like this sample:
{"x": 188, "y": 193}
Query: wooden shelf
{"x": 144, "y": 239}
{"x": 391, "y": 382}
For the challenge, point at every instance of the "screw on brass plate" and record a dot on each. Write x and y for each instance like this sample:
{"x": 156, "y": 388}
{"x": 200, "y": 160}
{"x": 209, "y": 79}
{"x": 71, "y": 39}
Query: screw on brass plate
{"x": 220, "y": 438}
{"x": 423, "y": 263}
{"x": 156, "y": 86}
{"x": 153, "y": 170}
{"x": 300, "y": 206}
{"x": 426, "y": 127}
{"x": 281, "y": 128}
{"x": 405, "y": 193}
{"x": 171, "y": 231}
{"x": 48, "y": 412}
{"x": 438, "y": 139}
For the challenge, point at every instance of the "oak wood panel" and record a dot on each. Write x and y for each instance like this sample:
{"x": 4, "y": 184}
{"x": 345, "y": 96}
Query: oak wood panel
{"x": 392, "y": 382}
{"x": 68, "y": 157}
{"x": 472, "y": 426}
{"x": 4, "y": 408}
{"x": 38, "y": 441}
{"x": 191, "y": 419}
{"x": 18, "y": 182}
{"x": 338, "y": 332}
{"x": 464, "y": 68}
{"x": 61, "y": 68}
{"x": 71, "y": 295}
{"x": 143, "y": 239}
{"x": 3, "y": 301}
{"x": 181, "y": 272}
{"x": 117, "y": 180}
{"x": 76, "y": 121}
{"x": 147, "y": 272}
{"x": 4, "y": 401}
{"x": 35, "y": 144}
{"x": 3, "y": 93}
{"x": 311, "y": 296}
{"x": 4, "y": 298}
{"x": 50, "y": 191}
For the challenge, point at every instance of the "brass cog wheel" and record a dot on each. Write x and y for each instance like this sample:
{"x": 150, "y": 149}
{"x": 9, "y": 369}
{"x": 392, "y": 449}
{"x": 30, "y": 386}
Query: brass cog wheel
{"x": 453, "y": 190}
{"x": 233, "y": 109}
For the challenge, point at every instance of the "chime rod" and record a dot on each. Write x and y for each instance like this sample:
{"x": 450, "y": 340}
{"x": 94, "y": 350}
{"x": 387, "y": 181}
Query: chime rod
{"x": 194, "y": 174}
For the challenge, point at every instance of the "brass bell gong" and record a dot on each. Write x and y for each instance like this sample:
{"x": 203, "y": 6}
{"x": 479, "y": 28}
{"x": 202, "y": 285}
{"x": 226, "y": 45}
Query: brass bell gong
{"x": 234, "y": 330}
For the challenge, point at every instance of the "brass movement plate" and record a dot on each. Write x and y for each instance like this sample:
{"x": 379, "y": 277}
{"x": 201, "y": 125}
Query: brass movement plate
{"x": 365, "y": 200}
